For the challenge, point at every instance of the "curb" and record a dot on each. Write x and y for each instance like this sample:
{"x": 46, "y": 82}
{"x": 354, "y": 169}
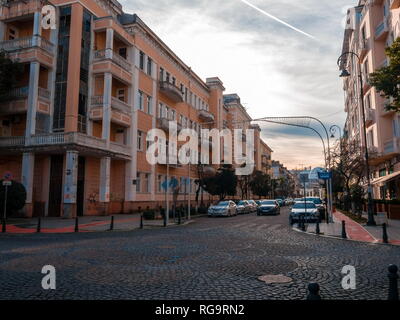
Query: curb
{"x": 340, "y": 238}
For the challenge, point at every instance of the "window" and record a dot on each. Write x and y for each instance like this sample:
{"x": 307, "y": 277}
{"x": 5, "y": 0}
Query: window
{"x": 138, "y": 183}
{"x": 122, "y": 52}
{"x": 173, "y": 115}
{"x": 140, "y": 100}
{"x": 12, "y": 34}
{"x": 161, "y": 74}
{"x": 121, "y": 94}
{"x": 396, "y": 127}
{"x": 167, "y": 77}
{"x": 146, "y": 183}
{"x": 149, "y": 105}
{"x": 141, "y": 61}
{"x": 149, "y": 66}
{"x": 173, "y": 81}
{"x": 140, "y": 137}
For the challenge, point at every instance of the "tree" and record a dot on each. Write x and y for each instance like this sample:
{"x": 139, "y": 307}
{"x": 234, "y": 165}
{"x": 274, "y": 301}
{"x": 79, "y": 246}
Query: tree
{"x": 16, "y": 197}
{"x": 386, "y": 80}
{"x": 222, "y": 184}
{"x": 260, "y": 184}
{"x": 10, "y": 72}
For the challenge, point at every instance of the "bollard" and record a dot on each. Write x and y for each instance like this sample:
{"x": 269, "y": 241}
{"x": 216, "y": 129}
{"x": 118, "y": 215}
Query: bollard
{"x": 344, "y": 235}
{"x": 385, "y": 237}
{"x": 393, "y": 287}
{"x": 163, "y": 212}
{"x": 303, "y": 223}
{"x": 112, "y": 223}
{"x": 313, "y": 289}
{"x": 38, "y": 229}
{"x": 141, "y": 220}
{"x": 76, "y": 225}
{"x": 317, "y": 231}
{"x": 179, "y": 216}
{"x": 3, "y": 228}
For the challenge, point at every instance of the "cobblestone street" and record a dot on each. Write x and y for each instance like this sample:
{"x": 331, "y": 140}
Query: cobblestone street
{"x": 212, "y": 258}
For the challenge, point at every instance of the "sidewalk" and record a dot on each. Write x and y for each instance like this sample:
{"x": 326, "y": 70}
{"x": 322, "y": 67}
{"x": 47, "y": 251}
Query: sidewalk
{"x": 356, "y": 231}
{"x": 123, "y": 222}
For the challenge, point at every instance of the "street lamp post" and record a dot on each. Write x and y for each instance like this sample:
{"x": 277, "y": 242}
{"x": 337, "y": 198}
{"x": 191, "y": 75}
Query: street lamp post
{"x": 345, "y": 73}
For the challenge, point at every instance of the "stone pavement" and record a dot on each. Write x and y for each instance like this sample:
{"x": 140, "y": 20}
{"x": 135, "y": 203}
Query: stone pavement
{"x": 358, "y": 232}
{"x": 125, "y": 222}
{"x": 212, "y": 258}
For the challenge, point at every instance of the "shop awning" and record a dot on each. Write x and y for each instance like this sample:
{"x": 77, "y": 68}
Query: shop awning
{"x": 387, "y": 178}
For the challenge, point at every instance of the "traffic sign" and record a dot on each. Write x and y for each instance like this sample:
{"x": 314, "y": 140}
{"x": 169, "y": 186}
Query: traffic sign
{"x": 8, "y": 176}
{"x": 325, "y": 175}
{"x": 7, "y": 183}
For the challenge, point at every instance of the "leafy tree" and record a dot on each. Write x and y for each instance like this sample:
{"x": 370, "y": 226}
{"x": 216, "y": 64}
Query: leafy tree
{"x": 10, "y": 72}
{"x": 222, "y": 184}
{"x": 260, "y": 184}
{"x": 16, "y": 197}
{"x": 387, "y": 79}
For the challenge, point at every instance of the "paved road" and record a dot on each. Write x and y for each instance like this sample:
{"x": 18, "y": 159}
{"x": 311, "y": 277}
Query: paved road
{"x": 213, "y": 258}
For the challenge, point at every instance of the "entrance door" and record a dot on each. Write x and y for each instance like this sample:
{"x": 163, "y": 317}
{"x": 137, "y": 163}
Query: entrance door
{"x": 55, "y": 193}
{"x": 80, "y": 193}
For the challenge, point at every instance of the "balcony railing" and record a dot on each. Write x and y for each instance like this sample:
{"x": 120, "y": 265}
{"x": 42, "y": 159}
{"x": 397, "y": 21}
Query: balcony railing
{"x": 381, "y": 30}
{"x": 206, "y": 115}
{"x": 63, "y": 139}
{"x": 27, "y": 43}
{"x": 171, "y": 91}
{"x": 391, "y": 146}
{"x": 23, "y": 92}
{"x": 106, "y": 54}
{"x": 115, "y": 103}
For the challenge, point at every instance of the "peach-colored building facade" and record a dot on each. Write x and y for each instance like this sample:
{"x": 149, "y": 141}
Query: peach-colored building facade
{"x": 371, "y": 27}
{"x": 74, "y": 131}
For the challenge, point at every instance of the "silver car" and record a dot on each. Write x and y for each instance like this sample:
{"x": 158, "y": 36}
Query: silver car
{"x": 254, "y": 205}
{"x": 223, "y": 209}
{"x": 306, "y": 209}
{"x": 243, "y": 207}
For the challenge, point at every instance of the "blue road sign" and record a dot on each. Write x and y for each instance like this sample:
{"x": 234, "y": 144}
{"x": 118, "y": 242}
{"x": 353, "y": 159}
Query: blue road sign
{"x": 325, "y": 175}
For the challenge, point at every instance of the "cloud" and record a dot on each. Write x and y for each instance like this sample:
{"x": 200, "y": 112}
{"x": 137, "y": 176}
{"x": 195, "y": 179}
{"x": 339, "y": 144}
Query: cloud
{"x": 276, "y": 72}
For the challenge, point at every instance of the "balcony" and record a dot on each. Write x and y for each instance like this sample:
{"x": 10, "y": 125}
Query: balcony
{"x": 206, "y": 115}
{"x": 363, "y": 47}
{"x": 60, "y": 140}
{"x": 28, "y": 49}
{"x": 108, "y": 61}
{"x": 163, "y": 124}
{"x": 19, "y": 8}
{"x": 391, "y": 146}
{"x": 121, "y": 111}
{"x": 381, "y": 31}
{"x": 385, "y": 112}
{"x": 16, "y": 101}
{"x": 171, "y": 91}
{"x": 369, "y": 116}
{"x": 394, "y": 4}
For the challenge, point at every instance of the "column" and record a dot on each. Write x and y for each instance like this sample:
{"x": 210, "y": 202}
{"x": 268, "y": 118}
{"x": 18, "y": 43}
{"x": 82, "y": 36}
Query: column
{"x": 28, "y": 165}
{"x": 32, "y": 99}
{"x": 37, "y": 28}
{"x": 104, "y": 197}
{"x": 2, "y": 30}
{"x": 109, "y": 43}
{"x": 130, "y": 166}
{"x": 107, "y": 107}
{"x": 51, "y": 84}
{"x": 70, "y": 184}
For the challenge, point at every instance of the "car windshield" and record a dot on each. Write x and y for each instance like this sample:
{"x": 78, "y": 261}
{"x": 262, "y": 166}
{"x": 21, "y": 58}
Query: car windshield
{"x": 269, "y": 202}
{"x": 315, "y": 200}
{"x": 302, "y": 205}
{"x": 223, "y": 203}
{"x": 242, "y": 203}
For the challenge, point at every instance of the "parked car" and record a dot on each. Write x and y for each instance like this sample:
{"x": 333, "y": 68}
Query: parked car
{"x": 268, "y": 207}
{"x": 307, "y": 209}
{"x": 253, "y": 204}
{"x": 320, "y": 205}
{"x": 243, "y": 207}
{"x": 289, "y": 201}
{"x": 223, "y": 209}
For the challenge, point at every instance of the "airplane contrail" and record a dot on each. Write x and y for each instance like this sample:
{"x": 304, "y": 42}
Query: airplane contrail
{"x": 277, "y": 19}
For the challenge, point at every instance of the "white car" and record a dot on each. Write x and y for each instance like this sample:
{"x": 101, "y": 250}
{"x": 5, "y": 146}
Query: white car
{"x": 223, "y": 209}
{"x": 307, "y": 209}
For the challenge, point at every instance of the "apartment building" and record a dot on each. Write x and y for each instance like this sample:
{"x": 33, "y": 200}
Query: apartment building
{"x": 266, "y": 158}
{"x": 74, "y": 131}
{"x": 372, "y": 26}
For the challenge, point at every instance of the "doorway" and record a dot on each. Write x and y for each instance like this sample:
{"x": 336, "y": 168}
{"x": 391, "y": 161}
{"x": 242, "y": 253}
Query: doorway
{"x": 56, "y": 183}
{"x": 80, "y": 192}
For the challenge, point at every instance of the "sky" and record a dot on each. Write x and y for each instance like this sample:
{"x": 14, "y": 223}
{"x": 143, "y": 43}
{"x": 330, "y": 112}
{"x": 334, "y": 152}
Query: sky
{"x": 278, "y": 56}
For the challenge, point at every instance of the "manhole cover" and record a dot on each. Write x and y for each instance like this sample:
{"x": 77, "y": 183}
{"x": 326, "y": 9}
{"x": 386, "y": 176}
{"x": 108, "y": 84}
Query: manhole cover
{"x": 270, "y": 278}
